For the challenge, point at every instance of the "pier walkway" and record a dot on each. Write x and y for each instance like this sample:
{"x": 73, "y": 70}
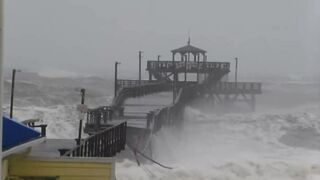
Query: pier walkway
{"x": 135, "y": 103}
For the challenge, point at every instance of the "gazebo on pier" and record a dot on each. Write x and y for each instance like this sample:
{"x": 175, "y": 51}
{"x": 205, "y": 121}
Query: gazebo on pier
{"x": 185, "y": 55}
{"x": 193, "y": 60}
{"x": 185, "y": 52}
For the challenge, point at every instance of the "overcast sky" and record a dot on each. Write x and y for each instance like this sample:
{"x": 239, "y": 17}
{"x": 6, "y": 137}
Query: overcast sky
{"x": 87, "y": 36}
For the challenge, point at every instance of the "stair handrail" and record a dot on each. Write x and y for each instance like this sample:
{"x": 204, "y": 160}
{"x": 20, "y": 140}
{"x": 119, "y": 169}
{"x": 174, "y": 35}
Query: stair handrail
{"x": 105, "y": 143}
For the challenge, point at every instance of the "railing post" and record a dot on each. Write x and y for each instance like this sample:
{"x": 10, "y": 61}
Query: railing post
{"x": 124, "y": 135}
{"x": 116, "y": 78}
{"x": 99, "y": 145}
{"x": 105, "y": 144}
{"x": 236, "y": 72}
{"x": 116, "y": 138}
{"x": 140, "y": 58}
{"x": 108, "y": 143}
{"x": 81, "y": 150}
{"x": 112, "y": 141}
{"x": 90, "y": 148}
{"x": 12, "y": 91}
{"x": 85, "y": 149}
{"x": 95, "y": 146}
{"x": 43, "y": 130}
{"x": 83, "y": 92}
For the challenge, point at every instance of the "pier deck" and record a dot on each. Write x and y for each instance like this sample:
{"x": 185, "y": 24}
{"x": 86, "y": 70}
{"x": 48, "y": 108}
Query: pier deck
{"x": 136, "y": 109}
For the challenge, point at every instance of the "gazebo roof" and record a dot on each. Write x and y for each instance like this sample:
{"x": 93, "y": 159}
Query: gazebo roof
{"x": 188, "y": 49}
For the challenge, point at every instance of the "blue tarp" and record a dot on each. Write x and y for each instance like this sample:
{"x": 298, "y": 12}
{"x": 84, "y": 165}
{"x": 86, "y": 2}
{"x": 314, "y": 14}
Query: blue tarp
{"x": 15, "y": 133}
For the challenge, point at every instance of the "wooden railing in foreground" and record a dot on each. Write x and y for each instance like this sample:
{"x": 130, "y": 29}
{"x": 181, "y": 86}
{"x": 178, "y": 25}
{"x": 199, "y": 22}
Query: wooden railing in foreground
{"x": 105, "y": 143}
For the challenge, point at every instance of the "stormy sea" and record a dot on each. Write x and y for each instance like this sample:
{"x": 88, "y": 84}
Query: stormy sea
{"x": 279, "y": 141}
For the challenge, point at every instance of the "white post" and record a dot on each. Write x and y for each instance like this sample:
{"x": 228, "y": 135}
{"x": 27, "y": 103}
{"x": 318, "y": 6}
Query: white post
{"x": 1, "y": 77}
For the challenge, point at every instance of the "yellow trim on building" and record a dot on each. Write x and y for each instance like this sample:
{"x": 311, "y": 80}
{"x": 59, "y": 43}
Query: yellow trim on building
{"x": 63, "y": 169}
{"x": 4, "y": 169}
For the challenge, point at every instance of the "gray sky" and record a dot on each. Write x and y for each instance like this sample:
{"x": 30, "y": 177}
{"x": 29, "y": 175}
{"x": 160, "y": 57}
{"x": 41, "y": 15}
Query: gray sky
{"x": 87, "y": 36}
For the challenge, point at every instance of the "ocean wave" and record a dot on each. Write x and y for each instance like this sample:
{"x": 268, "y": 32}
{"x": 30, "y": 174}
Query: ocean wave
{"x": 234, "y": 147}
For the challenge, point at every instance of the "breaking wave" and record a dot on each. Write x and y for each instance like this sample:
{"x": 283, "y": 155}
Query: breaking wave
{"x": 250, "y": 146}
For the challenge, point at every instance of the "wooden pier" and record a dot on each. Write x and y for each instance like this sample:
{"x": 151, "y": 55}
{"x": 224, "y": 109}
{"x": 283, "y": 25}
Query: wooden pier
{"x": 144, "y": 118}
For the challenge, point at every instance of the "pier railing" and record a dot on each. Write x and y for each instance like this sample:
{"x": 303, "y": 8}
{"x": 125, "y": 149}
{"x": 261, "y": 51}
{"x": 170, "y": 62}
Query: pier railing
{"x": 136, "y": 91}
{"x": 172, "y": 115}
{"x": 105, "y": 143}
{"x": 133, "y": 83}
{"x": 190, "y": 67}
{"x": 97, "y": 116}
{"x": 237, "y": 87}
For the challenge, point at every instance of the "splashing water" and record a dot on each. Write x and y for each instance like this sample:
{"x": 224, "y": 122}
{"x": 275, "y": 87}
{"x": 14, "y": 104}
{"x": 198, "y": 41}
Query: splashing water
{"x": 235, "y": 146}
